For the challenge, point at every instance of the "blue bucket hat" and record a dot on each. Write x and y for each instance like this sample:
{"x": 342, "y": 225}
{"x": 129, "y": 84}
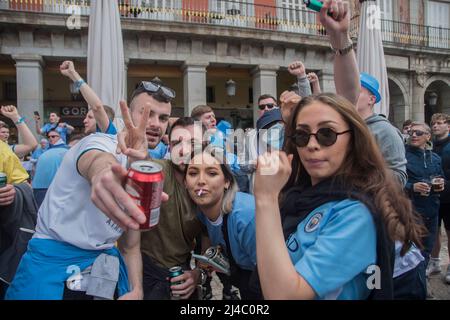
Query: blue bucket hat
{"x": 371, "y": 84}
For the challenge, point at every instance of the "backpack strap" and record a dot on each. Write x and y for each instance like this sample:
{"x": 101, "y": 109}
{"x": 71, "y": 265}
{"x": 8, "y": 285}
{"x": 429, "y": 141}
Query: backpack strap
{"x": 247, "y": 281}
{"x": 233, "y": 264}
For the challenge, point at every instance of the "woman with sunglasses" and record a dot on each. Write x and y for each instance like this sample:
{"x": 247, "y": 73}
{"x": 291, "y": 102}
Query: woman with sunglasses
{"x": 339, "y": 211}
{"x": 422, "y": 166}
{"x": 229, "y": 215}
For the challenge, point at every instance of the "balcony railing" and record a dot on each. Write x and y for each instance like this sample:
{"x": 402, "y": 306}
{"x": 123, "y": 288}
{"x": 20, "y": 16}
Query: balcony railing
{"x": 289, "y": 17}
{"x": 400, "y": 33}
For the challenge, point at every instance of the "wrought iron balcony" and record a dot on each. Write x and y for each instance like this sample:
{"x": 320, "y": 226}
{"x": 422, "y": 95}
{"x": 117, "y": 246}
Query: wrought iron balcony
{"x": 408, "y": 34}
{"x": 287, "y": 18}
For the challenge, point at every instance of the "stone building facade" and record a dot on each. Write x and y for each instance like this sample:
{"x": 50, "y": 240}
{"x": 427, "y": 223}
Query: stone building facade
{"x": 197, "y": 46}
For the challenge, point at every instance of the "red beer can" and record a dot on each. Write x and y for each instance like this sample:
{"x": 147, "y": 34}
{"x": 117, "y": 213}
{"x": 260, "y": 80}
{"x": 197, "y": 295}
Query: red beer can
{"x": 145, "y": 185}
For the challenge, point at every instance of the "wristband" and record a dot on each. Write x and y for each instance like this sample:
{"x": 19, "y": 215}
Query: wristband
{"x": 343, "y": 51}
{"x": 21, "y": 120}
{"x": 78, "y": 84}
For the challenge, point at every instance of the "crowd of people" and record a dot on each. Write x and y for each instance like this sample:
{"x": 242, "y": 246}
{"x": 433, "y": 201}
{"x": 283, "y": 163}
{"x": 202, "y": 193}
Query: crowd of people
{"x": 324, "y": 199}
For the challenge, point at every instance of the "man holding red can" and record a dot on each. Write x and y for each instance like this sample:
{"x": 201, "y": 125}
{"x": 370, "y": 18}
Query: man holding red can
{"x": 72, "y": 254}
{"x": 170, "y": 242}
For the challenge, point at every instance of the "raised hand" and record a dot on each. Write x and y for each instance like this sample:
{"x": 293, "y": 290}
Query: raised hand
{"x": 297, "y": 69}
{"x": 288, "y": 101}
{"x": 132, "y": 140}
{"x": 10, "y": 112}
{"x": 67, "y": 68}
{"x": 336, "y": 24}
{"x": 272, "y": 173}
{"x": 312, "y": 77}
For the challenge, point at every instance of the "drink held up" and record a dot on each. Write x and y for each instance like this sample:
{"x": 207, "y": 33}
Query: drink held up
{"x": 145, "y": 185}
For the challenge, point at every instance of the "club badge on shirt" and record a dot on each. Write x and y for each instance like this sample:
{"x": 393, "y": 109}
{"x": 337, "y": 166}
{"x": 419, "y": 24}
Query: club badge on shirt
{"x": 313, "y": 222}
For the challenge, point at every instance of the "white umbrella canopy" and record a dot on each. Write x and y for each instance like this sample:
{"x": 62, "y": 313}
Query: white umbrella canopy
{"x": 105, "y": 61}
{"x": 370, "y": 52}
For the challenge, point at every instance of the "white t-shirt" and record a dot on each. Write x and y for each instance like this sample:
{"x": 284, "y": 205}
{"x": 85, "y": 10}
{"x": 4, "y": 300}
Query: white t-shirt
{"x": 67, "y": 213}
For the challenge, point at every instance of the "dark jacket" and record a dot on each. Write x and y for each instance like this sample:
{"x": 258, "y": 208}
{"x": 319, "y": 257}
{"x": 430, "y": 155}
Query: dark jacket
{"x": 421, "y": 165}
{"x": 17, "y": 223}
{"x": 442, "y": 148}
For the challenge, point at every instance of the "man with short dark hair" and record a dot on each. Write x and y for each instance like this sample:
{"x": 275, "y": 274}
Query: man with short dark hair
{"x": 170, "y": 243}
{"x": 159, "y": 96}
{"x": 266, "y": 102}
{"x": 85, "y": 213}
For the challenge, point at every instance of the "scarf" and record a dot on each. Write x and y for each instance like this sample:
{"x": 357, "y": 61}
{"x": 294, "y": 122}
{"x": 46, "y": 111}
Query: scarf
{"x": 302, "y": 200}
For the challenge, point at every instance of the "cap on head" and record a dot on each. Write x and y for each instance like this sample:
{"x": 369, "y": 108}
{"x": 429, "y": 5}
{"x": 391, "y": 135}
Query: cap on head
{"x": 269, "y": 117}
{"x": 371, "y": 84}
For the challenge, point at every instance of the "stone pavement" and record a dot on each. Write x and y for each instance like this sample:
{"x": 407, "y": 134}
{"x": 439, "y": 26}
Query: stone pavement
{"x": 436, "y": 285}
{"x": 439, "y": 289}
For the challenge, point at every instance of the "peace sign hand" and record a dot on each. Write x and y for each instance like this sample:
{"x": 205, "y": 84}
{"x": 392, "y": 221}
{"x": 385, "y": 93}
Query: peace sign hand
{"x": 132, "y": 141}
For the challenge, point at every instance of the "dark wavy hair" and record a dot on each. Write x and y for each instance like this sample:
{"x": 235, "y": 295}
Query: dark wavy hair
{"x": 363, "y": 169}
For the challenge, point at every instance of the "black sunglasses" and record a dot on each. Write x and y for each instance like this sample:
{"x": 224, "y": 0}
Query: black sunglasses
{"x": 268, "y": 105}
{"x": 418, "y": 133}
{"x": 325, "y": 137}
{"x": 153, "y": 87}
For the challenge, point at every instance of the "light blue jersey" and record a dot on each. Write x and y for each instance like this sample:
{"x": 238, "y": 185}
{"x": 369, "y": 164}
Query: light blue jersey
{"x": 159, "y": 152}
{"x": 241, "y": 230}
{"x": 332, "y": 248}
{"x": 110, "y": 130}
{"x": 47, "y": 166}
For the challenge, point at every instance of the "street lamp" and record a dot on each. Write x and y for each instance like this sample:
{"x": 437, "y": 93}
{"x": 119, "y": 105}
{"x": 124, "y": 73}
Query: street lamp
{"x": 74, "y": 91}
{"x": 432, "y": 98}
{"x": 230, "y": 85}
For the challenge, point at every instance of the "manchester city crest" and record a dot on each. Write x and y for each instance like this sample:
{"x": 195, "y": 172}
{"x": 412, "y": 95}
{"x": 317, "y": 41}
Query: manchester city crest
{"x": 313, "y": 222}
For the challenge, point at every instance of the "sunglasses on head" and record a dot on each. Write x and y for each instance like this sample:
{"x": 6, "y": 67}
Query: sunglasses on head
{"x": 268, "y": 105}
{"x": 153, "y": 87}
{"x": 418, "y": 133}
{"x": 325, "y": 137}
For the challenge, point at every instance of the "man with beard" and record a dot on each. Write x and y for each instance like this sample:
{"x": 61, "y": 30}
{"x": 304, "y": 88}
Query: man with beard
{"x": 170, "y": 243}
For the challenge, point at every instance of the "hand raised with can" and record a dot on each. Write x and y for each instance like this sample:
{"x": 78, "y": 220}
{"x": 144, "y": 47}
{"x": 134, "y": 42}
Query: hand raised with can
{"x": 109, "y": 195}
{"x": 132, "y": 140}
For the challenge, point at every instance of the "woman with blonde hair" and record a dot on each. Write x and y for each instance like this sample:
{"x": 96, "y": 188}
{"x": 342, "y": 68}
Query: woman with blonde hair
{"x": 340, "y": 209}
{"x": 229, "y": 215}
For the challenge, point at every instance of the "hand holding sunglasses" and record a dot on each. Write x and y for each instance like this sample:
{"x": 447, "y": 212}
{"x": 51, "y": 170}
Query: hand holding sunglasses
{"x": 325, "y": 137}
